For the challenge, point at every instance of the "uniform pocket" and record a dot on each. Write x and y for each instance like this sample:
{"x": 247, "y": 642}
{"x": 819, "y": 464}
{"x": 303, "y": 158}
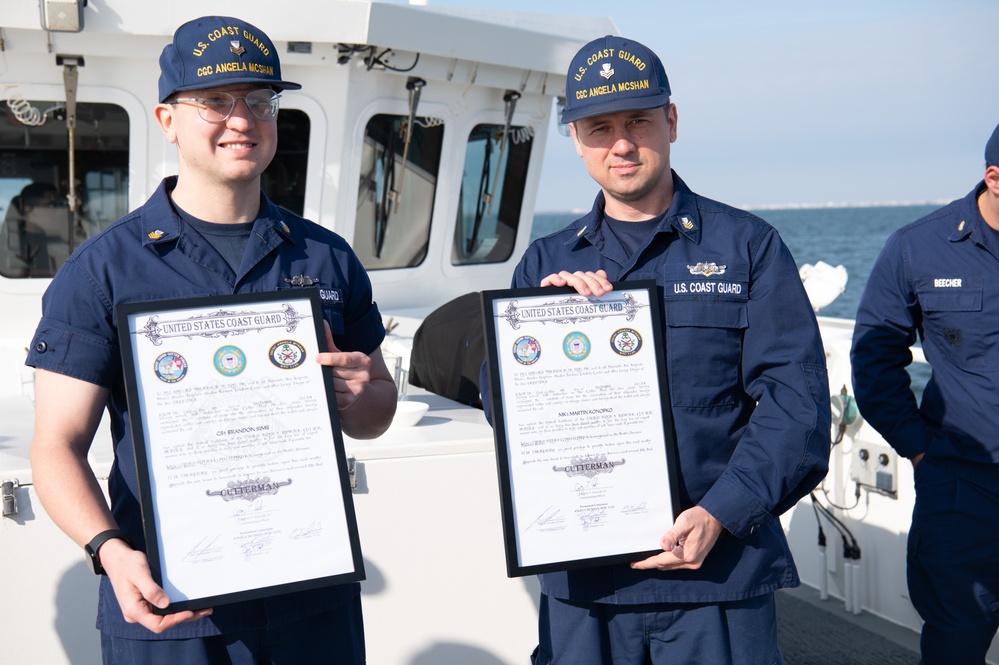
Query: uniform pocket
{"x": 704, "y": 351}
{"x": 953, "y": 323}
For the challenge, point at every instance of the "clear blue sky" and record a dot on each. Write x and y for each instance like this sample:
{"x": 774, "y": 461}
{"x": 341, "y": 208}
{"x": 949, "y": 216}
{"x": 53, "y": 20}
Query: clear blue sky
{"x": 796, "y": 101}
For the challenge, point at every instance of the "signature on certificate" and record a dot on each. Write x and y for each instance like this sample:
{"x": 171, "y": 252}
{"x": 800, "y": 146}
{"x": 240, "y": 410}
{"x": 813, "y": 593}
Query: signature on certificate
{"x": 256, "y": 545}
{"x": 314, "y": 529}
{"x": 591, "y": 518}
{"x": 253, "y": 512}
{"x": 592, "y": 483}
{"x": 634, "y": 508}
{"x": 548, "y": 516}
{"x": 206, "y": 549}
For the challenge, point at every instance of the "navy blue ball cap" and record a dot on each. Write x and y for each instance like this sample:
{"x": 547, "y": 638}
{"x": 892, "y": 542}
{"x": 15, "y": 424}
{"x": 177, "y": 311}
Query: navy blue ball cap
{"x": 992, "y": 149}
{"x": 613, "y": 74}
{"x": 214, "y": 51}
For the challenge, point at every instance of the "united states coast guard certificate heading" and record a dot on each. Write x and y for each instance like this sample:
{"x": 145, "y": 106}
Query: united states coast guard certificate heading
{"x": 241, "y": 466}
{"x": 584, "y": 434}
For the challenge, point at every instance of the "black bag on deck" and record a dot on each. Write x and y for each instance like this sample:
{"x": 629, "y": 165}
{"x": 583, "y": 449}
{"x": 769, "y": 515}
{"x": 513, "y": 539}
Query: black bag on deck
{"x": 448, "y": 350}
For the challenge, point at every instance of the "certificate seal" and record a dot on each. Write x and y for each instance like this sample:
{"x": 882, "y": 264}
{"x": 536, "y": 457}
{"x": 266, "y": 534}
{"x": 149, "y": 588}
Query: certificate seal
{"x": 230, "y": 360}
{"x": 576, "y": 346}
{"x": 626, "y": 342}
{"x": 287, "y": 354}
{"x": 526, "y": 350}
{"x": 170, "y": 367}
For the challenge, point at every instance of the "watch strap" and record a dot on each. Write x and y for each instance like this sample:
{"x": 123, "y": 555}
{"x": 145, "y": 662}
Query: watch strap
{"x": 93, "y": 548}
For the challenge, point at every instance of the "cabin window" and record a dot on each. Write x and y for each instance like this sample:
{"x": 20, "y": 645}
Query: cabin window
{"x": 395, "y": 198}
{"x": 38, "y": 227}
{"x": 284, "y": 180}
{"x": 492, "y": 193}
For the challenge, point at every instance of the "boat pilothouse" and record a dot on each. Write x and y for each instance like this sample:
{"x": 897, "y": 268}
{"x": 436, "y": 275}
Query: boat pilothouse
{"x": 417, "y": 136}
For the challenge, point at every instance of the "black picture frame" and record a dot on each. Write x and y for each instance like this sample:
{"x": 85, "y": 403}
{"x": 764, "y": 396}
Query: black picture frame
{"x": 499, "y": 359}
{"x": 151, "y": 321}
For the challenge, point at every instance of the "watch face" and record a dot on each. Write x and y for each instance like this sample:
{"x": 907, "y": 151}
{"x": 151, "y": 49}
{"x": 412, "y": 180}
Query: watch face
{"x": 95, "y": 563}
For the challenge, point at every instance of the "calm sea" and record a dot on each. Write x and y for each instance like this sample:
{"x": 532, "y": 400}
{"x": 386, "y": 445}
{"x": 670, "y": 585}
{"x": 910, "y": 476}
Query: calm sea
{"x": 852, "y": 237}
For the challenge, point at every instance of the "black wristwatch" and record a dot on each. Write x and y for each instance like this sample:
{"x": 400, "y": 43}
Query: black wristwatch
{"x": 93, "y": 548}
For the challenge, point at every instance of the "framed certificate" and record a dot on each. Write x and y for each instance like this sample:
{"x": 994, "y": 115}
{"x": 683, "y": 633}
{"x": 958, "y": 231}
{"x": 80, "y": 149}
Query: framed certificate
{"x": 584, "y": 434}
{"x": 241, "y": 465}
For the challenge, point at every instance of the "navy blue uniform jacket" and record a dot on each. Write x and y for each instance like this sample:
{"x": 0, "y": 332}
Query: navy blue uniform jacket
{"x": 151, "y": 254}
{"x": 747, "y": 380}
{"x": 937, "y": 278}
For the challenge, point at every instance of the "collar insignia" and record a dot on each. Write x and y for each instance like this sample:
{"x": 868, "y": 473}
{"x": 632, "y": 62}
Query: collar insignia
{"x": 284, "y": 227}
{"x": 301, "y": 280}
{"x": 581, "y": 231}
{"x": 235, "y": 47}
{"x": 606, "y": 70}
{"x": 155, "y": 235}
{"x": 686, "y": 223}
{"x": 960, "y": 227}
{"x": 706, "y": 269}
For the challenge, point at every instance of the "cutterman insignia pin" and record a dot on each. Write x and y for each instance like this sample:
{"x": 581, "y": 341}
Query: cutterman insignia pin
{"x": 155, "y": 235}
{"x": 235, "y": 47}
{"x": 706, "y": 268}
{"x": 302, "y": 280}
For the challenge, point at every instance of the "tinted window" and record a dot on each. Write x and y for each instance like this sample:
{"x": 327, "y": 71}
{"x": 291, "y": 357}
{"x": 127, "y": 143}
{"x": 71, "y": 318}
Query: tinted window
{"x": 395, "y": 199}
{"x": 38, "y": 226}
{"x": 492, "y": 193}
{"x": 284, "y": 180}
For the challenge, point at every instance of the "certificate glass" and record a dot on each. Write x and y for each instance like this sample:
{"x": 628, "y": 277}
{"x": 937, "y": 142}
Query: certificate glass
{"x": 584, "y": 434}
{"x": 241, "y": 465}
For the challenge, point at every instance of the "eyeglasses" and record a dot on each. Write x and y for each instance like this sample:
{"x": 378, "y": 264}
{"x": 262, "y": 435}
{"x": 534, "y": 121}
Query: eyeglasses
{"x": 216, "y": 107}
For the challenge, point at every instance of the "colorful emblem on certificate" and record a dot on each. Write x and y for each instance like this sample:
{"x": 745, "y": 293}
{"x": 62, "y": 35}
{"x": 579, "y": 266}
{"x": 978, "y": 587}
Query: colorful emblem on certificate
{"x": 526, "y": 350}
{"x": 230, "y": 360}
{"x": 170, "y": 367}
{"x": 287, "y": 354}
{"x": 576, "y": 346}
{"x": 626, "y": 342}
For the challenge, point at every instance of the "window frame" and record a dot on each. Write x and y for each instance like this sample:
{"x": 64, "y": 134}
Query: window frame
{"x": 139, "y": 118}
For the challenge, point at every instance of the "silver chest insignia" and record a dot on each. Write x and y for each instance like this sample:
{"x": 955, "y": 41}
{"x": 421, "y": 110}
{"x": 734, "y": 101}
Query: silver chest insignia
{"x": 301, "y": 280}
{"x": 706, "y": 269}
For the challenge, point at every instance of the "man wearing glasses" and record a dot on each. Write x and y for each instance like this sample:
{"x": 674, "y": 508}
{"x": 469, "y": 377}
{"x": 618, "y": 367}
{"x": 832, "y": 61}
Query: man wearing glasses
{"x": 207, "y": 231}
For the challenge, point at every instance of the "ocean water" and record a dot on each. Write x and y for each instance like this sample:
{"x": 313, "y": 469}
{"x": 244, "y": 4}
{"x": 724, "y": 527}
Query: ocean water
{"x": 852, "y": 237}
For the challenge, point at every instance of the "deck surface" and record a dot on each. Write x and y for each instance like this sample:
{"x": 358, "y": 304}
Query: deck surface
{"x": 815, "y": 632}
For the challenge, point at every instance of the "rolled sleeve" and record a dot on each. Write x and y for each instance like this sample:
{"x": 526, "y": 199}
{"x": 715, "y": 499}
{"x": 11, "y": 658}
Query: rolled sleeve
{"x": 76, "y": 335}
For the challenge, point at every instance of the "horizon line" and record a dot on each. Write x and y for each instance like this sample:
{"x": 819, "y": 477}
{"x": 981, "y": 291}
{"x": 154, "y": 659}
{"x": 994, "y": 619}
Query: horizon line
{"x": 793, "y": 206}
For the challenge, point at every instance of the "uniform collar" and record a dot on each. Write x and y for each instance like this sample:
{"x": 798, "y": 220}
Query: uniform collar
{"x": 970, "y": 222}
{"x": 161, "y": 224}
{"x": 682, "y": 215}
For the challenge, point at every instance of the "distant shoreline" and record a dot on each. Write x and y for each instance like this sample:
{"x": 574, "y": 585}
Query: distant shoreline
{"x": 793, "y": 206}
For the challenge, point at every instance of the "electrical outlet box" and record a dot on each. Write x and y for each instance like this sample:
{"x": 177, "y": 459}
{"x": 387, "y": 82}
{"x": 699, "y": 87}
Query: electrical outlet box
{"x": 875, "y": 467}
